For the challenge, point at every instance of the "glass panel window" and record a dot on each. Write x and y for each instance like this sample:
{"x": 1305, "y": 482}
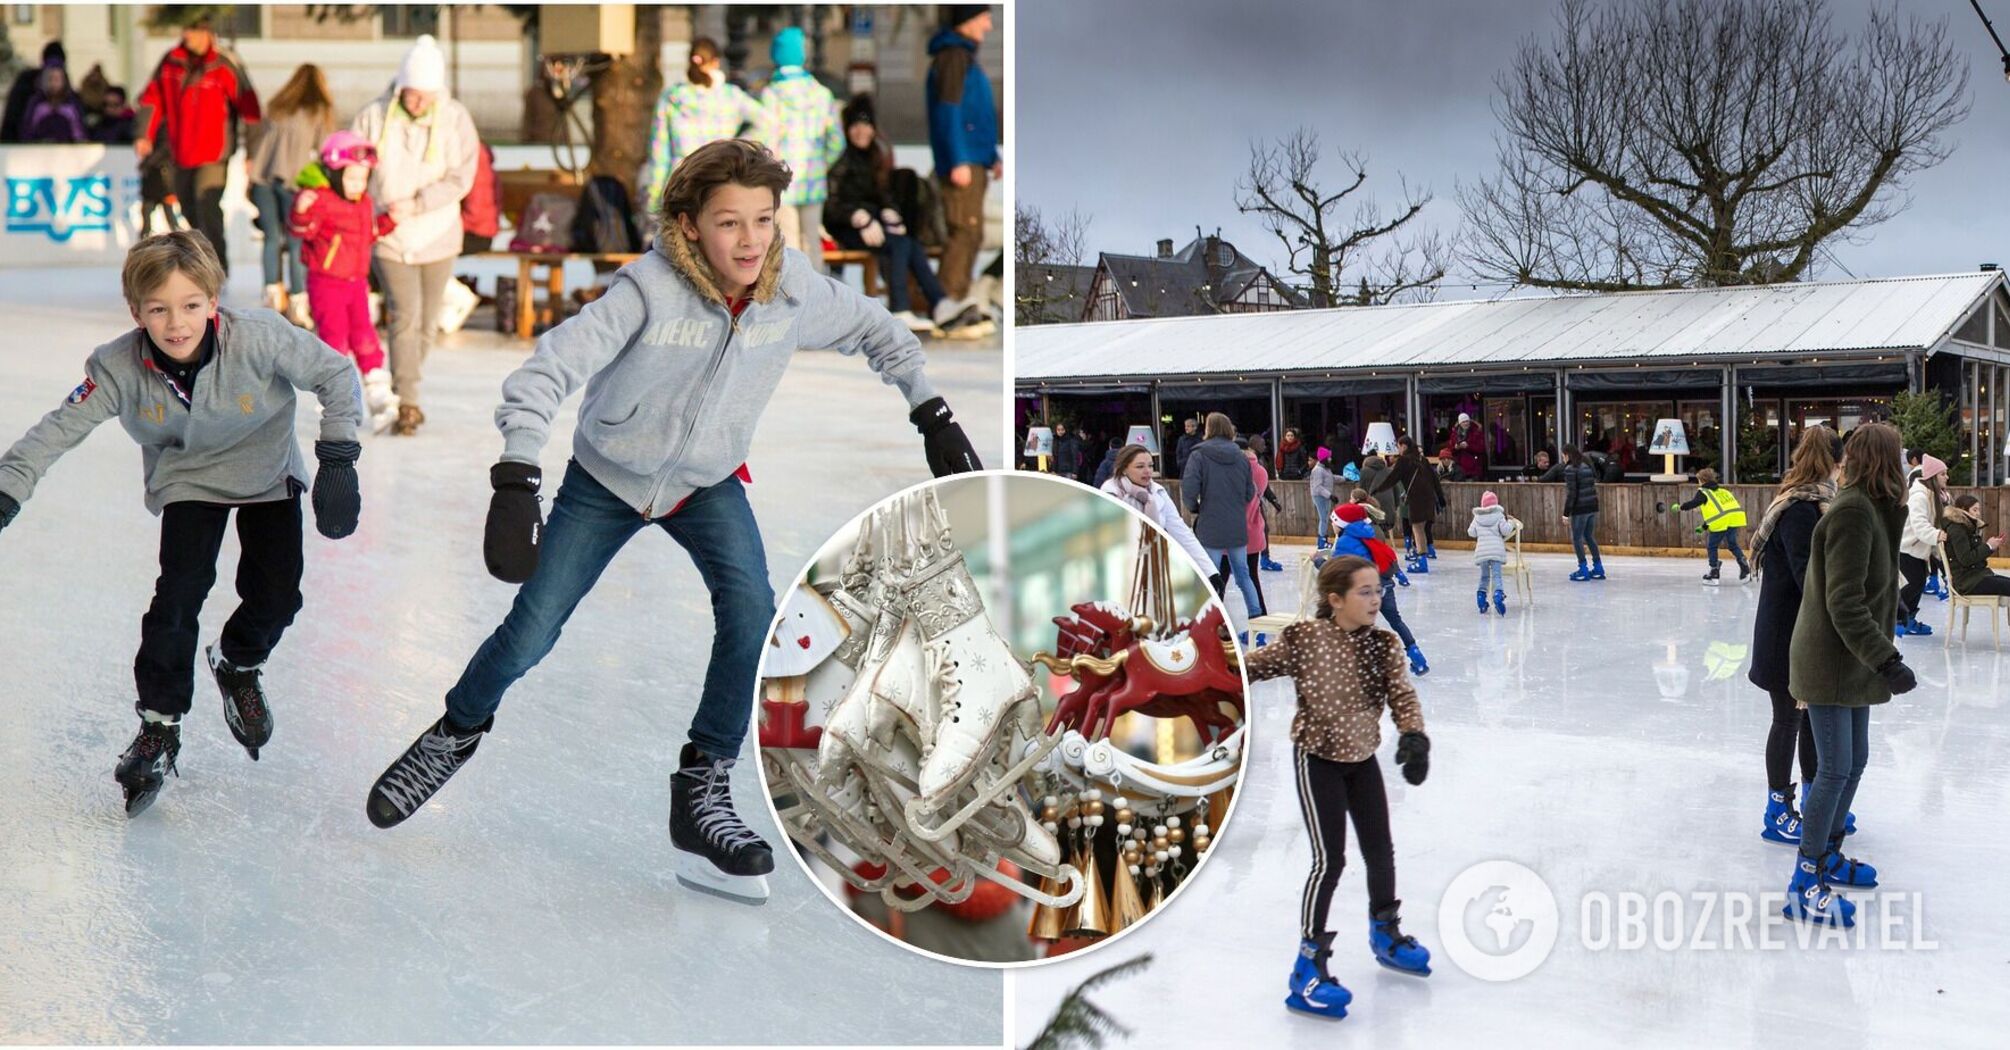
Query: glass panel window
{"x": 410, "y": 20}
{"x": 1702, "y": 423}
{"x": 1505, "y": 420}
{"x": 1760, "y": 460}
{"x": 1621, "y": 430}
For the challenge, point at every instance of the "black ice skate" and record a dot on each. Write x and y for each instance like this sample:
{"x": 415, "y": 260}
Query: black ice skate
{"x": 244, "y": 704}
{"x": 143, "y": 769}
{"x": 439, "y": 753}
{"x": 716, "y": 852}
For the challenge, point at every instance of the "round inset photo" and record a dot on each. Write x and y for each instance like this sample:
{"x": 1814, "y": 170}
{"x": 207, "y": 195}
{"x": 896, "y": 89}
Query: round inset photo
{"x": 1001, "y": 718}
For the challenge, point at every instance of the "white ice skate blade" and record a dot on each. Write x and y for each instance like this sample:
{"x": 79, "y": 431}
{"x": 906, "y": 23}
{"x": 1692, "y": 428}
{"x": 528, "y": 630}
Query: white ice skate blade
{"x": 701, "y": 875}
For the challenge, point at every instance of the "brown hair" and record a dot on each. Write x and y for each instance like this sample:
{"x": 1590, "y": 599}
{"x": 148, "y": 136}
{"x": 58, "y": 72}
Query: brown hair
{"x": 1871, "y": 462}
{"x": 1126, "y": 454}
{"x": 306, "y": 92}
{"x": 1358, "y": 495}
{"x": 1966, "y": 500}
{"x": 740, "y": 162}
{"x": 704, "y": 51}
{"x": 151, "y": 261}
{"x": 1218, "y": 426}
{"x": 1814, "y": 459}
{"x": 1336, "y": 576}
{"x": 1706, "y": 476}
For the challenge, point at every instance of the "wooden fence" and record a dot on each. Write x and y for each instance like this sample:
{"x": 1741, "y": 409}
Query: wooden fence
{"x": 1630, "y": 515}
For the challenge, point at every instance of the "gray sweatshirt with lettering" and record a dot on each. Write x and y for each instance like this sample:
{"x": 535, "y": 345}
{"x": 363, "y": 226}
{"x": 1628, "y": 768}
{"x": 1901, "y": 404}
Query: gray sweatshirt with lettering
{"x": 674, "y": 384}
{"x": 232, "y": 443}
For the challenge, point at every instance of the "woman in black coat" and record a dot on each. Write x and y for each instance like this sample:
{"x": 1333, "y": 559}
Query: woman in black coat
{"x": 1780, "y": 557}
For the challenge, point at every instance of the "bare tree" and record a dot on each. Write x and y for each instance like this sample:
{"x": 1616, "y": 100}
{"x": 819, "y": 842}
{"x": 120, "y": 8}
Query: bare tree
{"x": 1367, "y": 248}
{"x": 1041, "y": 295}
{"x": 1675, "y": 143}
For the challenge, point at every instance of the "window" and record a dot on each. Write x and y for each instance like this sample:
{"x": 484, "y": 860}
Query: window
{"x": 1759, "y": 450}
{"x": 1621, "y": 429}
{"x": 1701, "y": 422}
{"x": 410, "y": 20}
{"x": 1505, "y": 423}
{"x": 238, "y": 22}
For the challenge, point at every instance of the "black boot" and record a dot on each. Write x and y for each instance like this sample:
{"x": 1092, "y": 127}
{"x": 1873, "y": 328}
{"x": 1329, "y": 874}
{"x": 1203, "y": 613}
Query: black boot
{"x": 147, "y": 761}
{"x": 244, "y": 705}
{"x": 716, "y": 851}
{"x": 439, "y": 753}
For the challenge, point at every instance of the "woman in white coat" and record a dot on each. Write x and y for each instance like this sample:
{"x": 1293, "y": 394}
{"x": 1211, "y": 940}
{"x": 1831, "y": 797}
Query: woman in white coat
{"x": 1131, "y": 482}
{"x": 1925, "y": 498}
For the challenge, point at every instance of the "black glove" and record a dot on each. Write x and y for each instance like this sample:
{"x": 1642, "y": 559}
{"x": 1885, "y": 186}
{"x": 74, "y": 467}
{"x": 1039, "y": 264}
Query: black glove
{"x": 337, "y": 499}
{"x": 1413, "y": 753}
{"x": 1897, "y": 677}
{"x": 1219, "y": 584}
{"x": 509, "y": 543}
{"x": 8, "y": 508}
{"x": 949, "y": 452}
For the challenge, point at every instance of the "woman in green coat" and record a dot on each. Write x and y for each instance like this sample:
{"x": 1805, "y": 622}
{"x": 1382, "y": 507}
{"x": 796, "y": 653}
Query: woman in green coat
{"x": 1842, "y": 660}
{"x": 1968, "y": 551}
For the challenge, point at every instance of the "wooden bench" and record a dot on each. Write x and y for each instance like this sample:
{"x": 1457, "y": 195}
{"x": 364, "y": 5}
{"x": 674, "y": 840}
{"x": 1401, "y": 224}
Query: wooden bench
{"x": 528, "y": 312}
{"x": 867, "y": 262}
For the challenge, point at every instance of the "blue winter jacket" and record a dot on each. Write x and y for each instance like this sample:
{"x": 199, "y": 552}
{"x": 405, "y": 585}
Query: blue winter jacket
{"x": 1353, "y": 540}
{"x": 962, "y": 115}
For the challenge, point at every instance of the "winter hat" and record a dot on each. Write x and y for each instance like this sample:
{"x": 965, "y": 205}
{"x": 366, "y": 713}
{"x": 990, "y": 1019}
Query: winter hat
{"x": 1323, "y": 454}
{"x": 1488, "y": 499}
{"x": 1350, "y": 512}
{"x": 53, "y": 55}
{"x": 424, "y": 67}
{"x": 858, "y": 111}
{"x": 957, "y": 14}
{"x": 1930, "y": 467}
{"x": 787, "y": 48}
{"x": 1464, "y": 418}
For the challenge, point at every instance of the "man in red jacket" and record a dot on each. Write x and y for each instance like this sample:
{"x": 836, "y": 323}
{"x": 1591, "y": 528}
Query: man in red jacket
{"x": 200, "y": 93}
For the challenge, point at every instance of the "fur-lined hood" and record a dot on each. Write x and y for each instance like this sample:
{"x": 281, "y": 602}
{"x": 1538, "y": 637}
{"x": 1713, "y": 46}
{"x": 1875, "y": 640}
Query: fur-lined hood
{"x": 1957, "y": 516}
{"x": 693, "y": 268}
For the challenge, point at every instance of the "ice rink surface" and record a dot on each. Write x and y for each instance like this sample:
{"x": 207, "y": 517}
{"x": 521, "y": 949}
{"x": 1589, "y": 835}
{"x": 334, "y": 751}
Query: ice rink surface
{"x": 533, "y": 901}
{"x": 1607, "y": 739}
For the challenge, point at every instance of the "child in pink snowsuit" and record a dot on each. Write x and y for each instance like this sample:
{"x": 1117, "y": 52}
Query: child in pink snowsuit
{"x": 337, "y": 225}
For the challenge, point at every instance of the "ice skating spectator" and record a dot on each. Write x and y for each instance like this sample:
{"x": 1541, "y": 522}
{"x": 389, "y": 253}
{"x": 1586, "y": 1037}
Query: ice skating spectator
{"x": 1068, "y": 452}
{"x": 1188, "y": 438}
{"x": 27, "y": 84}
{"x": 1968, "y": 551}
{"x": 297, "y": 119}
{"x": 1780, "y": 548}
{"x": 804, "y": 128}
{"x": 55, "y": 114}
{"x": 195, "y": 99}
{"x": 861, "y": 215}
{"x": 1258, "y": 554}
{"x": 1722, "y": 518}
{"x": 1108, "y": 466}
{"x": 1490, "y": 528}
{"x": 114, "y": 125}
{"x": 963, "y": 133}
{"x": 1131, "y": 481}
{"x": 1373, "y": 468}
{"x": 1842, "y": 660}
{"x": 1924, "y": 498}
{"x": 1580, "y": 509}
{"x": 1469, "y": 445}
{"x": 1320, "y": 486}
{"x": 1542, "y": 462}
{"x": 1294, "y": 460}
{"x": 702, "y": 107}
{"x": 426, "y": 163}
{"x": 1219, "y": 488}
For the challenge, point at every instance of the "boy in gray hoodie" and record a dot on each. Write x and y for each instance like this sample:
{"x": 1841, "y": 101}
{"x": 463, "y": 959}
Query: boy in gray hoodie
{"x": 678, "y": 358}
{"x": 208, "y": 395}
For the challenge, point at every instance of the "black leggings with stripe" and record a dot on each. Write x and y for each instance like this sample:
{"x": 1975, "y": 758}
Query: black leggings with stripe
{"x": 1328, "y": 792}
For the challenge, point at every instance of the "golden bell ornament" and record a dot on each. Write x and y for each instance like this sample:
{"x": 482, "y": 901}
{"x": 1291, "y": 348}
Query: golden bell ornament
{"x": 1091, "y": 916}
{"x": 1126, "y": 905}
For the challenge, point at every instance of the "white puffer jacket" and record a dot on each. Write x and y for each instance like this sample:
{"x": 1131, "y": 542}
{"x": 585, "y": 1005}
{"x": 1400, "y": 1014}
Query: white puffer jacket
{"x": 1490, "y": 528}
{"x": 1922, "y": 522}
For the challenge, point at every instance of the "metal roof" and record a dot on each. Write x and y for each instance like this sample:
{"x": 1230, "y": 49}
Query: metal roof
{"x": 1895, "y": 314}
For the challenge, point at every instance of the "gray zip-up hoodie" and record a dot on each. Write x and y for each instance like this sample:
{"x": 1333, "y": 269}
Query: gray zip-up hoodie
{"x": 232, "y": 443}
{"x": 675, "y": 384}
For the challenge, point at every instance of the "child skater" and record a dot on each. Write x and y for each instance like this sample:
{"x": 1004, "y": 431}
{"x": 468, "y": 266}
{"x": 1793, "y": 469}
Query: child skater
{"x": 1722, "y": 518}
{"x": 678, "y": 358}
{"x": 1380, "y": 517}
{"x": 207, "y": 392}
{"x": 1354, "y": 535}
{"x": 337, "y": 224}
{"x": 1346, "y": 671}
{"x": 1490, "y": 528}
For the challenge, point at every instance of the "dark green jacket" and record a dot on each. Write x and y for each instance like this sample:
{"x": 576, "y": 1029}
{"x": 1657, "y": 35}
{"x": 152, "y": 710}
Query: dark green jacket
{"x": 1849, "y": 601}
{"x": 1967, "y": 555}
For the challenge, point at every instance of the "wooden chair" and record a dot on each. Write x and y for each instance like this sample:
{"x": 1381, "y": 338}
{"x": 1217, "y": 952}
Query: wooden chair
{"x": 1965, "y": 604}
{"x": 1307, "y": 579}
{"x": 1517, "y": 567}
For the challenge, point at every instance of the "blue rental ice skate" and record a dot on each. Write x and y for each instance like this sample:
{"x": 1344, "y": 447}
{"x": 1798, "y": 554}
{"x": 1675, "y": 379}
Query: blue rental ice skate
{"x": 1481, "y": 595}
{"x": 1402, "y": 578}
{"x": 1417, "y": 665}
{"x": 1855, "y": 874}
{"x": 1809, "y": 898}
{"x": 1393, "y": 948}
{"x": 1500, "y": 601}
{"x": 1267, "y": 565}
{"x": 1597, "y": 569}
{"x": 1313, "y": 990}
{"x": 1783, "y": 825}
{"x": 1419, "y": 566}
{"x": 1582, "y": 574}
{"x": 1849, "y": 819}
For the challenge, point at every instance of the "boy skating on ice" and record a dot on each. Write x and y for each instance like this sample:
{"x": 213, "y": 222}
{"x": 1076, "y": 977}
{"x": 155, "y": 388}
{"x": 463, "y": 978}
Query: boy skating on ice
{"x": 207, "y": 393}
{"x": 678, "y": 358}
{"x": 337, "y": 224}
{"x": 1346, "y": 671}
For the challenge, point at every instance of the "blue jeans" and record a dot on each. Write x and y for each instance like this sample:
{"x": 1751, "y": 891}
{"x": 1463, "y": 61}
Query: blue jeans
{"x": 1323, "y": 506}
{"x": 274, "y": 201}
{"x": 1395, "y": 615}
{"x": 1490, "y": 570}
{"x": 1842, "y": 749}
{"x": 588, "y": 527}
{"x": 1581, "y": 528}
{"x": 903, "y": 255}
{"x": 1238, "y": 568}
{"x": 1728, "y": 537}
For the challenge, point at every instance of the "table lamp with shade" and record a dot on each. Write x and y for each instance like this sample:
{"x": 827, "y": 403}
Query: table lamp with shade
{"x": 1143, "y": 435}
{"x": 1039, "y": 445}
{"x": 1381, "y": 439}
{"x": 1670, "y": 440}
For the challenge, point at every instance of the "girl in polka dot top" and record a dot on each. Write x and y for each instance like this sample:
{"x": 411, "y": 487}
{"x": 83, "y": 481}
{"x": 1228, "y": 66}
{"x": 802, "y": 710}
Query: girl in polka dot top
{"x": 1347, "y": 671}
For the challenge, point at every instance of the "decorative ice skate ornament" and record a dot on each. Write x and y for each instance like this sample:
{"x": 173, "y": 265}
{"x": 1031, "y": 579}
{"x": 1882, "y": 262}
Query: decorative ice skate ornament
{"x": 807, "y": 633}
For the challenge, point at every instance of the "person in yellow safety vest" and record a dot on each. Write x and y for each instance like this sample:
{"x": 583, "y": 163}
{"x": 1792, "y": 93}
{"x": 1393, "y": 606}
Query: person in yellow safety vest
{"x": 1722, "y": 518}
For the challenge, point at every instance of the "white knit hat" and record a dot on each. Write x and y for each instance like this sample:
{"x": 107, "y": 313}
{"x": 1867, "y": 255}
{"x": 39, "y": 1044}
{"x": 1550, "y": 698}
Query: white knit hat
{"x": 424, "y": 67}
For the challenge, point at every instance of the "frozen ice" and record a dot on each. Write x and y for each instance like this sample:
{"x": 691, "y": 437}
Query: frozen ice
{"x": 534, "y": 900}
{"x": 1605, "y": 737}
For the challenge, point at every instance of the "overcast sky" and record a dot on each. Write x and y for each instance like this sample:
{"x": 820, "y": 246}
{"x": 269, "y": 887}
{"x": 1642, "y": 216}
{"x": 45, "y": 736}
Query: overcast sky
{"x": 1140, "y": 114}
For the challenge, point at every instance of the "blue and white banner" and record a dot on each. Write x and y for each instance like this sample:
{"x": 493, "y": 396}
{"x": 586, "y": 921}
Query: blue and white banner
{"x": 80, "y": 206}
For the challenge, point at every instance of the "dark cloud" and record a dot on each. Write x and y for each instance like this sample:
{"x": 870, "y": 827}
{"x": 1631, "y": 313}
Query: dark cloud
{"x": 1140, "y": 113}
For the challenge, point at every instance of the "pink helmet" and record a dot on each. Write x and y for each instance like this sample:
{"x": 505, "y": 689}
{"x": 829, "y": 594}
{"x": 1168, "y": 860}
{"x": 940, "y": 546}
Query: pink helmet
{"x": 344, "y": 148}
